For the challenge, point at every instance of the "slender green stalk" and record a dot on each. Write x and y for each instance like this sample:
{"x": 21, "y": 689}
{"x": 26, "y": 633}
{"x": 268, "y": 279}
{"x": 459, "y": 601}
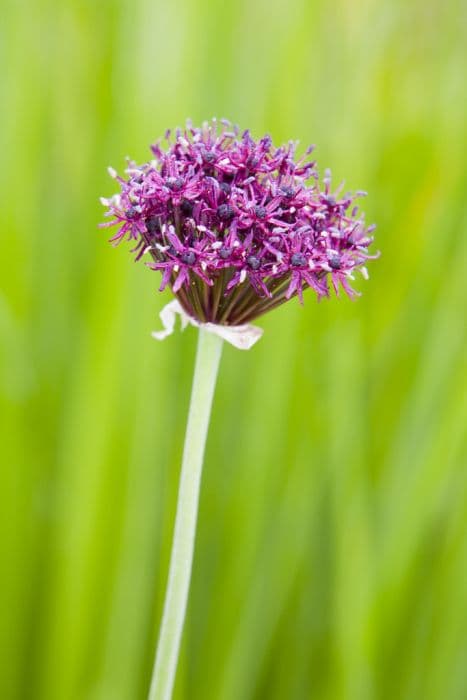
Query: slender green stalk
{"x": 206, "y": 367}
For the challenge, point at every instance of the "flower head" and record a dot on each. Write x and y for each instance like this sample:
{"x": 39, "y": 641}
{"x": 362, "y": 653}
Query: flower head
{"x": 237, "y": 226}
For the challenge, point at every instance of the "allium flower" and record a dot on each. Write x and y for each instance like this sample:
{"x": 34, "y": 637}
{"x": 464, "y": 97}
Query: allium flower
{"x": 236, "y": 226}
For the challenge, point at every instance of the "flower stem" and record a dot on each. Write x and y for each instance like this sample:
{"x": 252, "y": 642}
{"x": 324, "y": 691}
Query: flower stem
{"x": 204, "y": 381}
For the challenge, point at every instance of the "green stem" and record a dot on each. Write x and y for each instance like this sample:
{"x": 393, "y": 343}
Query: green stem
{"x": 204, "y": 381}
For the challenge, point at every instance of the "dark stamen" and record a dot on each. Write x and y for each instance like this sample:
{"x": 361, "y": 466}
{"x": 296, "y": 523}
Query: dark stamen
{"x": 298, "y": 260}
{"x": 186, "y": 207}
{"x": 335, "y": 262}
{"x": 225, "y": 252}
{"x": 253, "y": 262}
{"x": 152, "y": 224}
{"x": 174, "y": 183}
{"x": 287, "y": 191}
{"x": 188, "y": 258}
{"x": 225, "y": 212}
{"x": 260, "y": 212}
{"x": 209, "y": 157}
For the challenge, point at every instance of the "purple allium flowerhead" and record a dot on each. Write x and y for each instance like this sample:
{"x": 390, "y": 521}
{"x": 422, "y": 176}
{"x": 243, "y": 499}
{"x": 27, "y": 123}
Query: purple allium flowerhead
{"x": 237, "y": 226}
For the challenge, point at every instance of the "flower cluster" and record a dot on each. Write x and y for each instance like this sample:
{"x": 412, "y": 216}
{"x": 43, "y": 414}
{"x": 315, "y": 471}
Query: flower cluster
{"x": 237, "y": 226}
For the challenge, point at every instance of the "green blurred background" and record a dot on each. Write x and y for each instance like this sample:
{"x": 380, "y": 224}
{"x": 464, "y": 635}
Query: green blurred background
{"x": 331, "y": 558}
